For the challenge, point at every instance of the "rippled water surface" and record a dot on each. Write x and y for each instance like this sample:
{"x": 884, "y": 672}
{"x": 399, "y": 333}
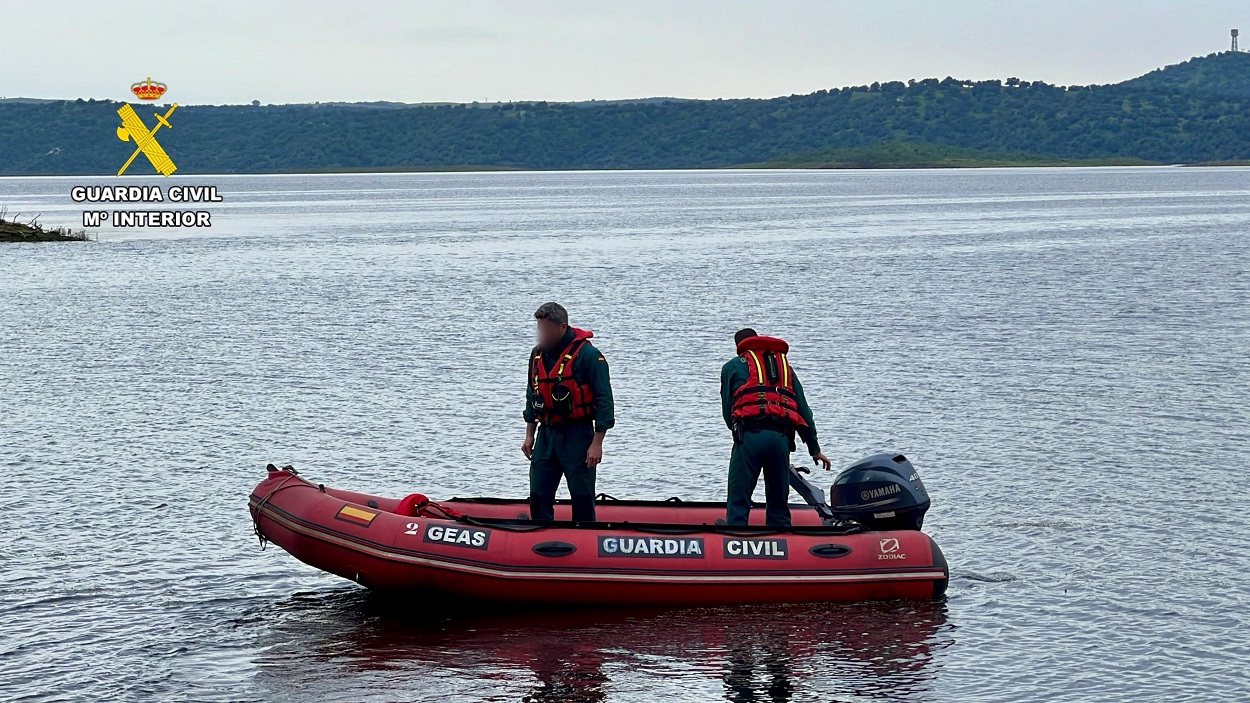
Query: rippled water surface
{"x": 1062, "y": 353}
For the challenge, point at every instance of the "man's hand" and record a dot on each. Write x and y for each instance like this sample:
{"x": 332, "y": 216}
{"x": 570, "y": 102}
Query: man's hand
{"x": 594, "y": 455}
{"x": 528, "y": 445}
{"x": 820, "y": 458}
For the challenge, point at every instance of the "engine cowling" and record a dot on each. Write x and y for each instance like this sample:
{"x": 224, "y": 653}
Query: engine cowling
{"x": 880, "y": 492}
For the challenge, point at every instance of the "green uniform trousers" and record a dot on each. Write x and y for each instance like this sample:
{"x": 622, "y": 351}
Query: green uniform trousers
{"x": 769, "y": 451}
{"x": 560, "y": 451}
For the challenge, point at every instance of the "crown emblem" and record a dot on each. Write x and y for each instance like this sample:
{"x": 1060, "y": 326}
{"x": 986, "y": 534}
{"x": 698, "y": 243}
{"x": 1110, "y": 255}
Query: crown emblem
{"x": 147, "y": 90}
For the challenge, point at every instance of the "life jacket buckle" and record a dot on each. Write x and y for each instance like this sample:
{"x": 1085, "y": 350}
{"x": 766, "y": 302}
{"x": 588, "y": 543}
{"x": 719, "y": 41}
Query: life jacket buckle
{"x": 562, "y": 399}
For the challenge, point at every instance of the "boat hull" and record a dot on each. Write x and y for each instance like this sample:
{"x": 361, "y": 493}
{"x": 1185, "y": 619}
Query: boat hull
{"x": 640, "y": 553}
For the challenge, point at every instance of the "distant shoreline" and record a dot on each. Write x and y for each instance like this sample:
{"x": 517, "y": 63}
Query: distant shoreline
{"x": 852, "y": 166}
{"x": 971, "y": 163}
{"x": 762, "y": 166}
{"x": 1242, "y": 162}
{"x": 1196, "y": 112}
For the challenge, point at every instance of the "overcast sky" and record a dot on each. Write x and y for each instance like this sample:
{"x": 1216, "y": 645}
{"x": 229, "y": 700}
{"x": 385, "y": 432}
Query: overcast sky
{"x": 230, "y": 51}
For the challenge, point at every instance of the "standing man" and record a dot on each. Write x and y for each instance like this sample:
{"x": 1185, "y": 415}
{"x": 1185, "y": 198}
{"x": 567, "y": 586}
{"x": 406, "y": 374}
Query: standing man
{"x": 569, "y": 393}
{"x": 763, "y": 405}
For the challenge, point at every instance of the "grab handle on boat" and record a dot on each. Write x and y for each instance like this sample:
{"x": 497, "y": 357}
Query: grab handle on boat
{"x": 830, "y": 551}
{"x": 554, "y": 549}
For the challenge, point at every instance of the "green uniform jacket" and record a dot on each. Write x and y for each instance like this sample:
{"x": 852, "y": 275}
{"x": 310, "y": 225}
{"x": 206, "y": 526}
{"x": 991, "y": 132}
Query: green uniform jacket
{"x": 590, "y": 369}
{"x": 734, "y": 373}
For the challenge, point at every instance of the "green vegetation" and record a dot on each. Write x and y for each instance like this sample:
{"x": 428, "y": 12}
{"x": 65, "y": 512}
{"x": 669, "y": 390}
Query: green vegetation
{"x": 924, "y": 155}
{"x": 14, "y": 231}
{"x": 1195, "y": 112}
{"x": 406, "y": 169}
{"x": 1216, "y": 74}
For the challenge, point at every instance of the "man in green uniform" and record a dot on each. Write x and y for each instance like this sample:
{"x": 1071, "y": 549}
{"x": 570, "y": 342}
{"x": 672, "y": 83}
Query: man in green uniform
{"x": 568, "y": 393}
{"x": 763, "y": 405}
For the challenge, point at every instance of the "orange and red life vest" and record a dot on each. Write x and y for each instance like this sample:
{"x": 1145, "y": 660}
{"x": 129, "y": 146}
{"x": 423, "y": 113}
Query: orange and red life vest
{"x": 555, "y": 395}
{"x": 768, "y": 393}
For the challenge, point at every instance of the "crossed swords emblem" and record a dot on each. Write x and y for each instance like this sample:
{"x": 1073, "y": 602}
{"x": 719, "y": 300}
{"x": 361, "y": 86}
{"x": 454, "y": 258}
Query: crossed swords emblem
{"x": 133, "y": 129}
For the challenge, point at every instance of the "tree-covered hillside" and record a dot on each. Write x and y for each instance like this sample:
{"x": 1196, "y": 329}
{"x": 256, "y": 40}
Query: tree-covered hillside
{"x": 1227, "y": 73}
{"x": 1166, "y": 116}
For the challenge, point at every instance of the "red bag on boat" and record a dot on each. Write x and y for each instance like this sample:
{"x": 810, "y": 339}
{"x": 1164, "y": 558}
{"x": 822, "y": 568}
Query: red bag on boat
{"x": 417, "y": 505}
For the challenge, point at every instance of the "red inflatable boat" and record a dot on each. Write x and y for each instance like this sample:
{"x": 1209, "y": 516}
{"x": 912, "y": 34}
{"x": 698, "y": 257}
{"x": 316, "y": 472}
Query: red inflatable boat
{"x": 639, "y": 553}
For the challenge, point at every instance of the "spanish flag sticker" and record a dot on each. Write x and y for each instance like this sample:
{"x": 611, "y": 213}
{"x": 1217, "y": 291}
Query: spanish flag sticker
{"x": 354, "y": 515}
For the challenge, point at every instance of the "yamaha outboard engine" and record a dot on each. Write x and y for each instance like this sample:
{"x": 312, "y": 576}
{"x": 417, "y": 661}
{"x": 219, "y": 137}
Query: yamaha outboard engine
{"x": 881, "y": 492}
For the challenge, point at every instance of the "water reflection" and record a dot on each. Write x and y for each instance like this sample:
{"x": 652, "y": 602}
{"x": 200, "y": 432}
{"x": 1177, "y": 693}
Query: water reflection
{"x": 350, "y": 643}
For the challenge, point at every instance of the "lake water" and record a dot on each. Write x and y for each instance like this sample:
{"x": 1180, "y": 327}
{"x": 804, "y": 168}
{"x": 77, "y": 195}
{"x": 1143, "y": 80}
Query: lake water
{"x": 1061, "y": 352}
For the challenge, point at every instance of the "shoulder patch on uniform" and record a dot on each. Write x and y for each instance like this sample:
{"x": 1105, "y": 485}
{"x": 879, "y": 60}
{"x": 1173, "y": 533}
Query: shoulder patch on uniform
{"x": 602, "y": 359}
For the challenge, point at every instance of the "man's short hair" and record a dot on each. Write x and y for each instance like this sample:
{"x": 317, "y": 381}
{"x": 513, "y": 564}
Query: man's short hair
{"x": 552, "y": 311}
{"x": 744, "y": 333}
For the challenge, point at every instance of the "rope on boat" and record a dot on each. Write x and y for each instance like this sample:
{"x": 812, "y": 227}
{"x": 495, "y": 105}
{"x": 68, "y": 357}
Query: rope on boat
{"x": 508, "y": 527}
{"x": 264, "y": 541}
{"x": 511, "y": 525}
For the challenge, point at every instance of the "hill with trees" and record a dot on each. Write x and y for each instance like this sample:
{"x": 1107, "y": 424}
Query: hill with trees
{"x": 1226, "y": 73}
{"x": 1198, "y": 111}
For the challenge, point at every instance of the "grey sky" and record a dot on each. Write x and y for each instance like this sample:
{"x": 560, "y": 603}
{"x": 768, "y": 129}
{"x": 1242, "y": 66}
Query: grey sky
{"x": 227, "y": 51}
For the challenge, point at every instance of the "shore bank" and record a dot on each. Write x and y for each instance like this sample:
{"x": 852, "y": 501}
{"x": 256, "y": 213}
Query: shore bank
{"x": 13, "y": 231}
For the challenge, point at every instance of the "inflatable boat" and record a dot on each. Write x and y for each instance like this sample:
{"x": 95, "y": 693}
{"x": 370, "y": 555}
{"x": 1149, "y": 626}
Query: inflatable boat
{"x": 864, "y": 545}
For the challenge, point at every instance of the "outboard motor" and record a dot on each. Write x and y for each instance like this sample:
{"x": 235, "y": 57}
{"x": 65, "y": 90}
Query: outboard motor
{"x": 880, "y": 492}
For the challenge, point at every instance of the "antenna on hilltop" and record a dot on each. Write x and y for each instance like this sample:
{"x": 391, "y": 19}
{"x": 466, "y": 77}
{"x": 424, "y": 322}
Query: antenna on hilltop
{"x": 1234, "y": 40}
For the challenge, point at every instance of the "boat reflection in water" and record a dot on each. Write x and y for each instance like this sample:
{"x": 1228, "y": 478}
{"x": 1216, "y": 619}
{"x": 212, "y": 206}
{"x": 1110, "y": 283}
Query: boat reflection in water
{"x": 358, "y": 645}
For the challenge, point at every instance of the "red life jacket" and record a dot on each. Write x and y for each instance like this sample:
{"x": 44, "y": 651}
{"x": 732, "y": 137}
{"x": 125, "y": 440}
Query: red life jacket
{"x": 768, "y": 392}
{"x": 554, "y": 394}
